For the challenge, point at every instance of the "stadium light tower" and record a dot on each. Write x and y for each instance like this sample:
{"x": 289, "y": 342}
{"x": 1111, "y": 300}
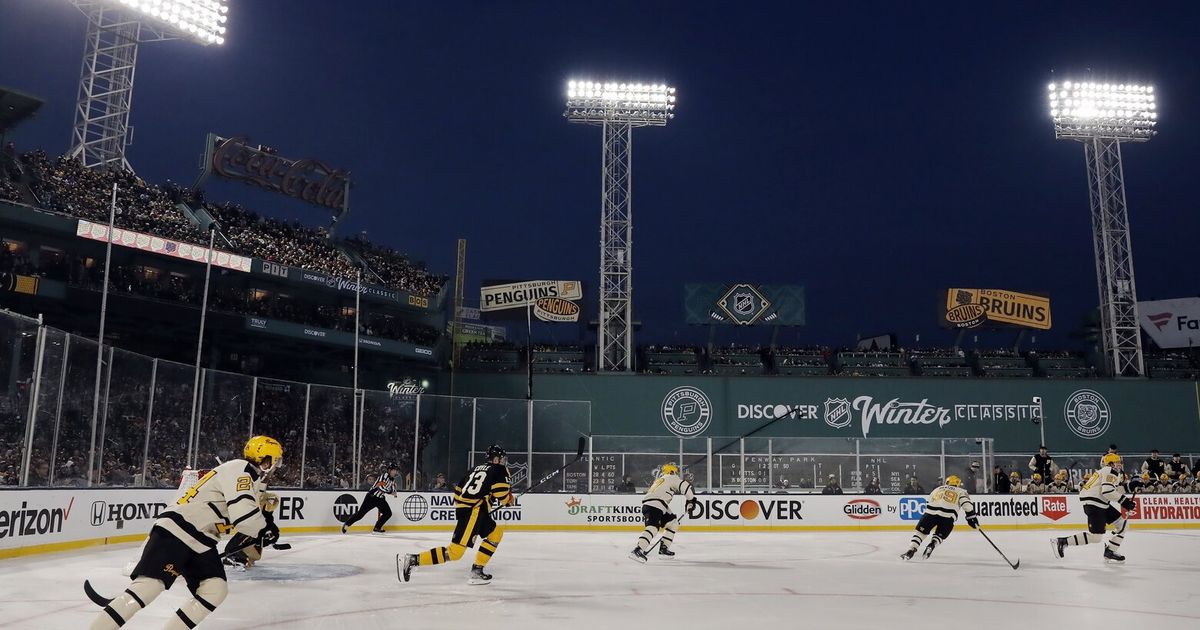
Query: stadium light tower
{"x": 617, "y": 108}
{"x": 1102, "y": 116}
{"x": 115, "y": 28}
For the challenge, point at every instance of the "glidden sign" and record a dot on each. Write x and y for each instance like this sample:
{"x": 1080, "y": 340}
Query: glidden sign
{"x": 307, "y": 179}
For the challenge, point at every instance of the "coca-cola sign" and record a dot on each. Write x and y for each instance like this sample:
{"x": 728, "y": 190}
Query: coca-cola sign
{"x": 306, "y": 179}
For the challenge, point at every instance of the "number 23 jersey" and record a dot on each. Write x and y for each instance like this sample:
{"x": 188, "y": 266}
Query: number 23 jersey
{"x": 485, "y": 481}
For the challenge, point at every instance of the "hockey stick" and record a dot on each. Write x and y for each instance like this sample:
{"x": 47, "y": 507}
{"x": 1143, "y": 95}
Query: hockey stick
{"x": 988, "y": 538}
{"x": 554, "y": 473}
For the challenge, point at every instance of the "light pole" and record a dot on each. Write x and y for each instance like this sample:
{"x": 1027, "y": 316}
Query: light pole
{"x": 1102, "y": 116}
{"x": 115, "y": 28}
{"x": 617, "y": 108}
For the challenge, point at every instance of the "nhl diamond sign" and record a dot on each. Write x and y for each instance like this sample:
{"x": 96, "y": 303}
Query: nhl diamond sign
{"x": 743, "y": 304}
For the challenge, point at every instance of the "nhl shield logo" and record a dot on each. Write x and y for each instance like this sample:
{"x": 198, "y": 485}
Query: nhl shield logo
{"x": 519, "y": 472}
{"x": 743, "y": 303}
{"x": 837, "y": 412}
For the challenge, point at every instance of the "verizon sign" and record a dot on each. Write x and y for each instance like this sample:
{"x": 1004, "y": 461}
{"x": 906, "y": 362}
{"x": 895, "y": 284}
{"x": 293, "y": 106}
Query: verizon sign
{"x": 1171, "y": 323}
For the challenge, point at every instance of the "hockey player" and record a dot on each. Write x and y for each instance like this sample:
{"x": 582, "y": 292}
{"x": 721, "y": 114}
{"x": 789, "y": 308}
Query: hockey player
{"x": 1097, "y": 495}
{"x": 941, "y": 510}
{"x": 1015, "y": 480}
{"x": 375, "y": 499}
{"x": 487, "y": 482}
{"x": 1035, "y": 485}
{"x": 1164, "y": 484}
{"x": 248, "y": 551}
{"x": 656, "y": 511}
{"x": 183, "y": 540}
{"x": 1060, "y": 483}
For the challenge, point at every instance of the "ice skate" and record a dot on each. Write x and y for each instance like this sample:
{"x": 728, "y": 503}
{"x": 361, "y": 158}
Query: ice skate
{"x": 664, "y": 552}
{"x": 638, "y": 555}
{"x": 404, "y": 565}
{"x": 1112, "y": 557}
{"x": 928, "y": 551}
{"x": 1058, "y": 545}
{"x": 478, "y": 577}
{"x": 908, "y": 555}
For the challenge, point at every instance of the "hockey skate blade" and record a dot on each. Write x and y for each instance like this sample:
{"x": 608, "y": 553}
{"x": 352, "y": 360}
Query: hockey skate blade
{"x": 1055, "y": 549}
{"x": 638, "y": 559}
{"x": 403, "y": 567}
{"x": 478, "y": 582}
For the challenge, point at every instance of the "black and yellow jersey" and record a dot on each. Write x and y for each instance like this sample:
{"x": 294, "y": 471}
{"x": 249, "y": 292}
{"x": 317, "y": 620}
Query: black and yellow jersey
{"x": 485, "y": 481}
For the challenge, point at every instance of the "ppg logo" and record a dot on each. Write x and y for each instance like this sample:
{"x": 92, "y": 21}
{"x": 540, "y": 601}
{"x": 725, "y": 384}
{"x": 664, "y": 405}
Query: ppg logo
{"x": 912, "y": 508}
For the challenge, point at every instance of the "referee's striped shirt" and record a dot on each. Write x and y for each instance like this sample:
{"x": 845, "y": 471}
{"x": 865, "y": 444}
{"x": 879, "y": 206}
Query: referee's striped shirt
{"x": 383, "y": 485}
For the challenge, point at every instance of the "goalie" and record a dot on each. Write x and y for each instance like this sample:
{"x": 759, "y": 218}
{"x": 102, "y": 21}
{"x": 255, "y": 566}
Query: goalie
{"x": 656, "y": 511}
{"x": 183, "y": 540}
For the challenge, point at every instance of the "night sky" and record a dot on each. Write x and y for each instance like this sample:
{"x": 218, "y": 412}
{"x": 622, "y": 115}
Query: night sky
{"x": 873, "y": 154}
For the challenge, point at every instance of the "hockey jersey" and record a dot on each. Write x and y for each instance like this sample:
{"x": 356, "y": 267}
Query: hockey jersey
{"x": 223, "y": 499}
{"x": 947, "y": 501}
{"x": 664, "y": 489}
{"x": 1101, "y": 488}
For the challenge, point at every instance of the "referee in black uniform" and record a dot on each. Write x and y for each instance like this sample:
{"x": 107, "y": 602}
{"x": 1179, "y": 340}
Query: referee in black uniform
{"x": 385, "y": 484}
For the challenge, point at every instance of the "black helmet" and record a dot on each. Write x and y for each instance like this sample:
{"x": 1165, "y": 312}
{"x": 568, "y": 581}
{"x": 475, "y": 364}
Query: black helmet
{"x": 495, "y": 451}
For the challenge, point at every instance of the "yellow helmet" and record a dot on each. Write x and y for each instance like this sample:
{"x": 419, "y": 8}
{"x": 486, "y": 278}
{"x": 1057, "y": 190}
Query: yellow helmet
{"x": 670, "y": 468}
{"x": 1110, "y": 459}
{"x": 1145, "y": 476}
{"x": 261, "y": 447}
{"x": 1037, "y": 477}
{"x": 1014, "y": 475}
{"x": 1060, "y": 475}
{"x": 1164, "y": 477}
{"x": 953, "y": 480}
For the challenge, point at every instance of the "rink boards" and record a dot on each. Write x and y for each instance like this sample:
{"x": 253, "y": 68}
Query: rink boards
{"x": 43, "y": 521}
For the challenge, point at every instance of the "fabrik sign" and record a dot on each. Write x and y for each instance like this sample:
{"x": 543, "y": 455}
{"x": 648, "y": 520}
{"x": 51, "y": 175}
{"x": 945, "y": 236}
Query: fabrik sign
{"x": 969, "y": 308}
{"x": 1171, "y": 323}
{"x": 545, "y": 300}
{"x": 841, "y": 412}
{"x": 306, "y": 179}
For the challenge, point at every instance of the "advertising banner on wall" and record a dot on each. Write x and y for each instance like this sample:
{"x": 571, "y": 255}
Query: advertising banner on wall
{"x": 164, "y": 246}
{"x": 744, "y": 304}
{"x": 337, "y": 337}
{"x": 974, "y": 308}
{"x": 42, "y": 521}
{"x": 1171, "y": 323}
{"x": 550, "y": 300}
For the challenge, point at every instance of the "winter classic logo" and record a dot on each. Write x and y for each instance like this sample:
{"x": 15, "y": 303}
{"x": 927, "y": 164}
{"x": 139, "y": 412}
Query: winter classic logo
{"x": 862, "y": 509}
{"x": 1087, "y": 414}
{"x": 686, "y": 411}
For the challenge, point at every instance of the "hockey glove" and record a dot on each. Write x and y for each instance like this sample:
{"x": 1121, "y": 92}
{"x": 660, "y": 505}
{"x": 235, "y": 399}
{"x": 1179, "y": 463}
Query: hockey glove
{"x": 269, "y": 535}
{"x": 691, "y": 504}
{"x": 1128, "y": 503}
{"x": 973, "y": 521}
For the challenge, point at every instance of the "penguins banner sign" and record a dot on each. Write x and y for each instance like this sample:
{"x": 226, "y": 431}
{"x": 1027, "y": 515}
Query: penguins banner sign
{"x": 545, "y": 300}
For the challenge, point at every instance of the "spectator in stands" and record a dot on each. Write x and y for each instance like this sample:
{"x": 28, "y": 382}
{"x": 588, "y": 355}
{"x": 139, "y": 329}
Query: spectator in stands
{"x": 1001, "y": 481}
{"x": 832, "y": 486}
{"x": 1042, "y": 464}
{"x": 872, "y": 486}
{"x": 914, "y": 486}
{"x": 626, "y": 485}
{"x": 439, "y": 484}
{"x": 1177, "y": 467}
{"x": 784, "y": 486}
{"x": 1154, "y": 464}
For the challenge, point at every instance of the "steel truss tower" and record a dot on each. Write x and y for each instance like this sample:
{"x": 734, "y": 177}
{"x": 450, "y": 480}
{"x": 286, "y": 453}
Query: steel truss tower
{"x": 617, "y": 108}
{"x": 1101, "y": 116}
{"x": 101, "y": 130}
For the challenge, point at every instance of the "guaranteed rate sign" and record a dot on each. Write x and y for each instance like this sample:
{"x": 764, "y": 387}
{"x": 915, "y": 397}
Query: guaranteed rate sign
{"x": 974, "y": 308}
{"x": 306, "y": 179}
{"x": 547, "y": 300}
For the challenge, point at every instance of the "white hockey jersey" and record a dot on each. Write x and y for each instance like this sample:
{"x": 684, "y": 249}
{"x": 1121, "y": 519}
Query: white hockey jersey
{"x": 1101, "y": 488}
{"x": 223, "y": 499}
{"x": 664, "y": 489}
{"x": 947, "y": 501}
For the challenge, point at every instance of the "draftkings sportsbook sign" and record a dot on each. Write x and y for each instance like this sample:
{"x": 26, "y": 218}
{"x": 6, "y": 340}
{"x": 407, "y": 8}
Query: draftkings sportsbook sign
{"x": 546, "y": 300}
{"x": 973, "y": 308}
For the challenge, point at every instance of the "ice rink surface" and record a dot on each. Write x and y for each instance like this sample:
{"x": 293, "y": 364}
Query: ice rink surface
{"x": 585, "y": 580}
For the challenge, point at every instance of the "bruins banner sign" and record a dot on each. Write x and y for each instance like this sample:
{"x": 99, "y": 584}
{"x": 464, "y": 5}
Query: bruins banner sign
{"x": 972, "y": 308}
{"x": 550, "y": 300}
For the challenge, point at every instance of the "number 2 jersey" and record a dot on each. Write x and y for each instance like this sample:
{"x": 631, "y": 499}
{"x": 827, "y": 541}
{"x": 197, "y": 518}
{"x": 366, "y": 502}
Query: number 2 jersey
{"x": 947, "y": 501}
{"x": 1101, "y": 488}
{"x": 485, "y": 481}
{"x": 223, "y": 499}
{"x": 664, "y": 489}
